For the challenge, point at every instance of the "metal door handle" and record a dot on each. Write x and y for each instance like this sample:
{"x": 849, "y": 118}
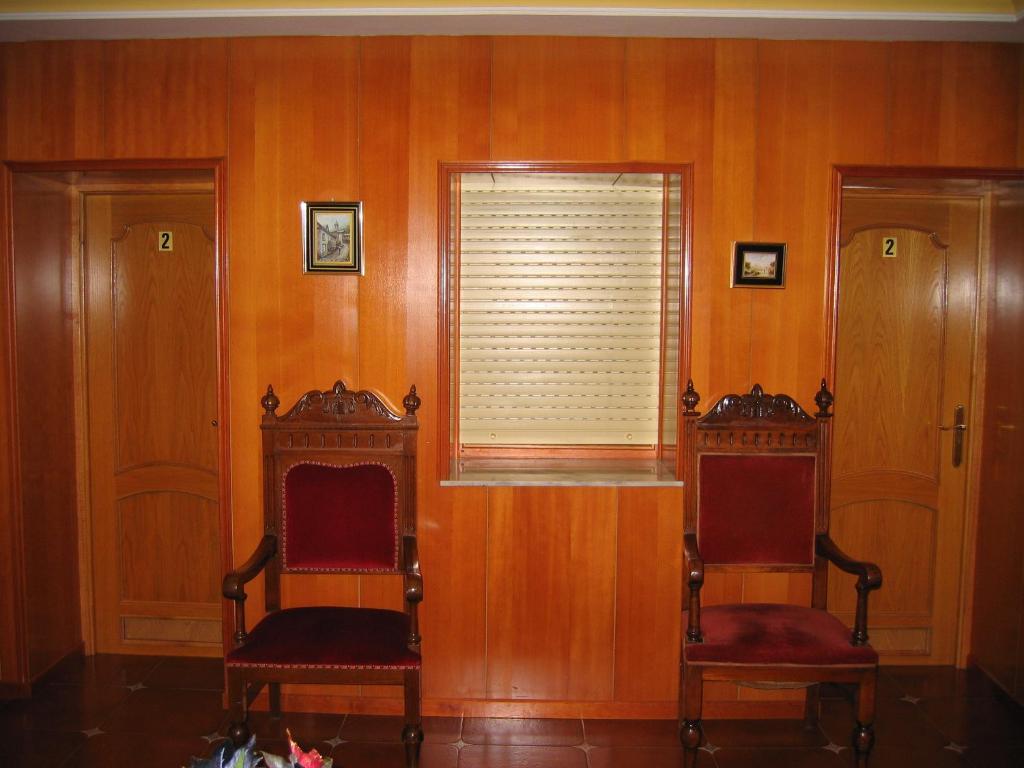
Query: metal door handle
{"x": 957, "y": 428}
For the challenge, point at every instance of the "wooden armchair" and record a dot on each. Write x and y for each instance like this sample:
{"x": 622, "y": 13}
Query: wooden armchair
{"x": 757, "y": 489}
{"x": 339, "y": 497}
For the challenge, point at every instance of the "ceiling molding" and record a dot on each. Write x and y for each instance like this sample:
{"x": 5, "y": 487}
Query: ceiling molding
{"x": 514, "y": 20}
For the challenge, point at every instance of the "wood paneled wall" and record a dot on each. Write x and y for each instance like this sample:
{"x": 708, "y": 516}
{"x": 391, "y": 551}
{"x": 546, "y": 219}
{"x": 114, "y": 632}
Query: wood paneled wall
{"x": 545, "y": 601}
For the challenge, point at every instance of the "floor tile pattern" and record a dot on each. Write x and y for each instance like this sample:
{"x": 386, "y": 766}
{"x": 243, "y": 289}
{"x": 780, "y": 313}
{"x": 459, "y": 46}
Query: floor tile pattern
{"x": 112, "y": 711}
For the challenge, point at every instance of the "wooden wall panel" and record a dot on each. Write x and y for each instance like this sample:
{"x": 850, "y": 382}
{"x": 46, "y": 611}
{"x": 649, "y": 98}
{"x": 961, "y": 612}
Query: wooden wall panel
{"x": 549, "y": 578}
{"x": 983, "y": 82}
{"x": 648, "y": 594}
{"x": 999, "y": 579}
{"x": 46, "y": 419}
{"x": 165, "y": 98}
{"x": 449, "y": 99}
{"x": 1020, "y": 107}
{"x": 859, "y": 121}
{"x": 55, "y": 91}
{"x": 915, "y": 101}
{"x": 575, "y": 83}
{"x": 722, "y": 331}
{"x": 792, "y": 207}
{"x": 13, "y": 664}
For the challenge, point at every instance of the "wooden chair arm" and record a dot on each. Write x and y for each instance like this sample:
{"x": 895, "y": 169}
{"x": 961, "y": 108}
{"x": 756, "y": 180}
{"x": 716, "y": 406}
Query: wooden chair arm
{"x": 413, "y": 586}
{"x": 694, "y": 580}
{"x": 234, "y": 583}
{"x": 411, "y": 566}
{"x": 869, "y": 577}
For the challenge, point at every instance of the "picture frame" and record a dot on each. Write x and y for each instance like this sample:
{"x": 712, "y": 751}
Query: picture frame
{"x": 759, "y": 265}
{"x": 332, "y": 238}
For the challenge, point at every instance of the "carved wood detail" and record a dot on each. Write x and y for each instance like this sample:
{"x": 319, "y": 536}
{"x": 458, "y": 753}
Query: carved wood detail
{"x": 339, "y": 404}
{"x": 757, "y": 407}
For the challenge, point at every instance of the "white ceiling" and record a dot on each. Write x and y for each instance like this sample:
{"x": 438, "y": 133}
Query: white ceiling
{"x": 531, "y": 20}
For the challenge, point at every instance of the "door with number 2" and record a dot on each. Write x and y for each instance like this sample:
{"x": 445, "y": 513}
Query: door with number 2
{"x": 905, "y": 351}
{"x": 151, "y": 368}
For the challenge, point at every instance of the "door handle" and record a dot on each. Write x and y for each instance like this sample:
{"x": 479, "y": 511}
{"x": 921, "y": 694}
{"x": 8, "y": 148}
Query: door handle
{"x": 957, "y": 428}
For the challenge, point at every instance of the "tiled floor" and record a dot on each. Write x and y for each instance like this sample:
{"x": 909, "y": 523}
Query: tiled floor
{"x": 151, "y": 712}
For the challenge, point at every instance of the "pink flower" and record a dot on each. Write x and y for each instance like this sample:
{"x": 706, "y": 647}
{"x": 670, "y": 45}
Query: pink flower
{"x": 311, "y": 759}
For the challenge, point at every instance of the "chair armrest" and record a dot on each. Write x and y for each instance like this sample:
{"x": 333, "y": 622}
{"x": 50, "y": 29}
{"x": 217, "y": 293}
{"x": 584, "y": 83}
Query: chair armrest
{"x": 234, "y": 583}
{"x": 413, "y": 587}
{"x": 869, "y": 577}
{"x": 694, "y": 564}
{"x": 411, "y": 566}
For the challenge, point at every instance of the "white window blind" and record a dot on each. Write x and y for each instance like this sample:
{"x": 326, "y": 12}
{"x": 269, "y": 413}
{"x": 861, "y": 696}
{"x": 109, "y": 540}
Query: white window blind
{"x": 560, "y": 307}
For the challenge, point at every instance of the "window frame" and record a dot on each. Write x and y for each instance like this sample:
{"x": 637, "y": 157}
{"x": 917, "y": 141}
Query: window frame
{"x": 449, "y": 448}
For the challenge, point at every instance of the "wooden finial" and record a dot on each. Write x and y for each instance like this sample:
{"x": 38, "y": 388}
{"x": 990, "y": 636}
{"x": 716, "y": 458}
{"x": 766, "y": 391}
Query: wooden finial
{"x": 270, "y": 401}
{"x": 690, "y": 397}
{"x": 411, "y": 402}
{"x": 824, "y": 400}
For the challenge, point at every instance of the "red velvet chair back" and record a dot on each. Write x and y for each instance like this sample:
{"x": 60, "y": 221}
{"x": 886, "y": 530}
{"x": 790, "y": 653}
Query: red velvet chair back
{"x": 339, "y": 517}
{"x": 756, "y": 509}
{"x": 340, "y": 471}
{"x": 756, "y": 480}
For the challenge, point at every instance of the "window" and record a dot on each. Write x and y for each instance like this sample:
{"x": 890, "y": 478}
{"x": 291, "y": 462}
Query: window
{"x": 563, "y": 293}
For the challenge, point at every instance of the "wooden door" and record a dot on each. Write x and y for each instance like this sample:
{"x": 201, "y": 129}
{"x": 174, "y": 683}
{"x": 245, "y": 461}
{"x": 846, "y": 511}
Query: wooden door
{"x": 151, "y": 363}
{"x": 905, "y": 358}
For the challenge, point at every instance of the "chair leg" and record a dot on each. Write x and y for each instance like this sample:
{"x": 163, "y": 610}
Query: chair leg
{"x": 412, "y": 734}
{"x": 811, "y": 707}
{"x": 864, "y": 730}
{"x": 274, "y": 699}
{"x": 238, "y": 730}
{"x": 691, "y": 693}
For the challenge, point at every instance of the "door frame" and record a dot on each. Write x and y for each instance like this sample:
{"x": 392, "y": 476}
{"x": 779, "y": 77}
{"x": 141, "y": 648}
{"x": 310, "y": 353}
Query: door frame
{"x": 841, "y": 174}
{"x": 136, "y": 167}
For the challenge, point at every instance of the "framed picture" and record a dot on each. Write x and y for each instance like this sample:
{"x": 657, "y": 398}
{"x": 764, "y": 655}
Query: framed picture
{"x": 332, "y": 237}
{"x": 759, "y": 265}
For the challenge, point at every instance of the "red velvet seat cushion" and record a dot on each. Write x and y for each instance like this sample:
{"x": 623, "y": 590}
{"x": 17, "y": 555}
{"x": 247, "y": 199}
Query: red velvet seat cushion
{"x": 759, "y": 633}
{"x": 328, "y": 638}
{"x": 340, "y": 518}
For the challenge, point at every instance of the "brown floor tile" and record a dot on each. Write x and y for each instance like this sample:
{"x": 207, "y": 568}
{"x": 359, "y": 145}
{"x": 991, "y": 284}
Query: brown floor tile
{"x": 762, "y": 733}
{"x": 780, "y": 758}
{"x": 632, "y": 733}
{"x": 21, "y": 747}
{"x": 377, "y": 755}
{"x": 308, "y": 729}
{"x": 897, "y": 724}
{"x": 932, "y": 682}
{"x": 65, "y": 707}
{"x": 522, "y": 732}
{"x": 187, "y": 714}
{"x": 442, "y": 730}
{"x": 378, "y": 728}
{"x": 494, "y": 756}
{"x": 976, "y": 722}
{"x": 197, "y": 674}
{"x": 101, "y": 669}
{"x": 126, "y": 749}
{"x": 994, "y": 757}
{"x": 645, "y": 757}
{"x": 897, "y": 757}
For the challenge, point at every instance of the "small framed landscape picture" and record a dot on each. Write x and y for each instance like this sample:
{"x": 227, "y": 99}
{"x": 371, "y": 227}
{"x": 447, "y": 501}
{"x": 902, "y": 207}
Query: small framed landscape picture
{"x": 332, "y": 237}
{"x": 759, "y": 265}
